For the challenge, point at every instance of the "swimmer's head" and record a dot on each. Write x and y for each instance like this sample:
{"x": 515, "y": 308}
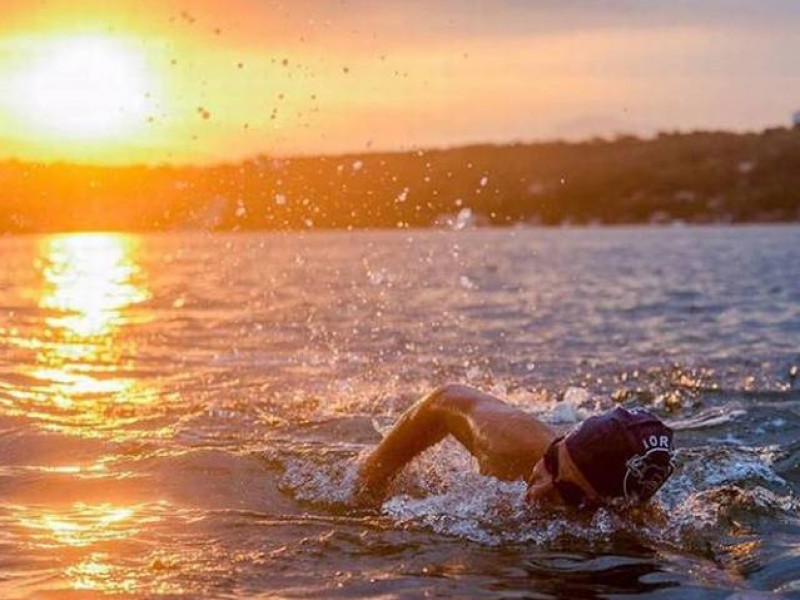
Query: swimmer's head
{"x": 623, "y": 453}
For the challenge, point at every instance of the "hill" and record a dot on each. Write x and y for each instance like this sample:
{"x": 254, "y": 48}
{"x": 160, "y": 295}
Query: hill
{"x": 696, "y": 177}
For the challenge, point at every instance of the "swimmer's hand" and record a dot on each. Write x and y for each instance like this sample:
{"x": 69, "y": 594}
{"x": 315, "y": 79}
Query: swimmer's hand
{"x": 369, "y": 493}
{"x": 365, "y": 497}
{"x": 375, "y": 474}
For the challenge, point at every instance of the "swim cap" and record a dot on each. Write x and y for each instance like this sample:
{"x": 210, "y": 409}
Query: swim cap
{"x": 623, "y": 453}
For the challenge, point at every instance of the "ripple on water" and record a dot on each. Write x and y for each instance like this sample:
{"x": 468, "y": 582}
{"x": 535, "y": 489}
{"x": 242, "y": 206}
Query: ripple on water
{"x": 194, "y": 430}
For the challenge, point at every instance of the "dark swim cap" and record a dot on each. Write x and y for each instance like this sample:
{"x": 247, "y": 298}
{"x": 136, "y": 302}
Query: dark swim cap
{"x": 623, "y": 453}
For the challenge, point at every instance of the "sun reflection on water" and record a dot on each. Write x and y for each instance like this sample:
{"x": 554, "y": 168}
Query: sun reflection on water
{"x": 96, "y": 573}
{"x": 88, "y": 539}
{"x": 89, "y": 280}
{"x": 76, "y": 372}
{"x": 83, "y": 526}
{"x": 83, "y": 354}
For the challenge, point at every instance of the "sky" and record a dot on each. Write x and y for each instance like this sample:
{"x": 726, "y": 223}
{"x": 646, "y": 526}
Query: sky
{"x": 202, "y": 81}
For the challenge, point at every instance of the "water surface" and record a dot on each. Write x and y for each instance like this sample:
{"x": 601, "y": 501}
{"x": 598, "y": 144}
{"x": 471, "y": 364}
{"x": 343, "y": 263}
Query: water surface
{"x": 181, "y": 414}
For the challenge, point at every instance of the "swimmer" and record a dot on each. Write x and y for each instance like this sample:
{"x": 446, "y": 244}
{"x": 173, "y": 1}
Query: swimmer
{"x": 625, "y": 454}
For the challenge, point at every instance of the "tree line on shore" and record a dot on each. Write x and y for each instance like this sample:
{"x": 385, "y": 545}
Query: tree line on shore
{"x": 696, "y": 177}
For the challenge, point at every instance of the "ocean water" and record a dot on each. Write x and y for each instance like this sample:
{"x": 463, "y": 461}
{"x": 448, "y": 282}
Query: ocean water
{"x": 181, "y": 415}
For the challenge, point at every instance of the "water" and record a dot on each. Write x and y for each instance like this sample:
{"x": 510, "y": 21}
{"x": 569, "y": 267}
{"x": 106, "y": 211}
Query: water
{"x": 181, "y": 414}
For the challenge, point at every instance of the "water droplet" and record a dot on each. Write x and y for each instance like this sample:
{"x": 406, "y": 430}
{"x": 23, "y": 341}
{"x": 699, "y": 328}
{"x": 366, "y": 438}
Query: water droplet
{"x": 464, "y": 219}
{"x": 467, "y": 283}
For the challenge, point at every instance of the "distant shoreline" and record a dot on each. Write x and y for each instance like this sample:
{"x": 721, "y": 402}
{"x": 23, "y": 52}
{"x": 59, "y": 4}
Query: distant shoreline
{"x": 690, "y": 178}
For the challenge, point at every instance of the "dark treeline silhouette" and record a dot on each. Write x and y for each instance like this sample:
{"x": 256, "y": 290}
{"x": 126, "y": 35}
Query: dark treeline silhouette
{"x": 692, "y": 177}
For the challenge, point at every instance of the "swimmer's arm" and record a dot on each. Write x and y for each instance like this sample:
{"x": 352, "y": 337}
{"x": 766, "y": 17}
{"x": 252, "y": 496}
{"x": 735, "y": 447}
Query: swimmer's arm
{"x": 420, "y": 427}
{"x": 506, "y": 441}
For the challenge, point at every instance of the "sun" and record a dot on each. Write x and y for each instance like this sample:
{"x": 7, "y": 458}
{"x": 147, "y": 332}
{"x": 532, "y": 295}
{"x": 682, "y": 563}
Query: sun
{"x": 90, "y": 87}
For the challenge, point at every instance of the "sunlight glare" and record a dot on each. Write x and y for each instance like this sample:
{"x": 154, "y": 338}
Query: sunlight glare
{"x": 85, "y": 87}
{"x": 90, "y": 284}
{"x": 82, "y": 525}
{"x": 89, "y": 534}
{"x": 90, "y": 280}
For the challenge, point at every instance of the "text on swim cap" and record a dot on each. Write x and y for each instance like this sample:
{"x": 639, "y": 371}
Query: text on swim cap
{"x": 656, "y": 441}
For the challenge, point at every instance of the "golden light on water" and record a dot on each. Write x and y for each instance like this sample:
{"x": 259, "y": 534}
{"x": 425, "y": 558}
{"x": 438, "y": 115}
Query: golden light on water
{"x": 84, "y": 525}
{"x": 89, "y": 280}
{"x": 90, "y": 286}
{"x": 79, "y": 359}
{"x": 95, "y": 572}
{"x": 88, "y": 537}
{"x": 79, "y": 355}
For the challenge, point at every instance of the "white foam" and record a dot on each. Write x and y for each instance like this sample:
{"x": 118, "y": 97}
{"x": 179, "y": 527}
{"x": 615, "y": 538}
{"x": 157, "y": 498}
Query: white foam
{"x": 328, "y": 483}
{"x": 711, "y": 417}
{"x": 565, "y": 412}
{"x": 478, "y": 509}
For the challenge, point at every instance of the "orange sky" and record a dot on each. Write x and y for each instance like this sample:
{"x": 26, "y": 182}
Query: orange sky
{"x": 203, "y": 81}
